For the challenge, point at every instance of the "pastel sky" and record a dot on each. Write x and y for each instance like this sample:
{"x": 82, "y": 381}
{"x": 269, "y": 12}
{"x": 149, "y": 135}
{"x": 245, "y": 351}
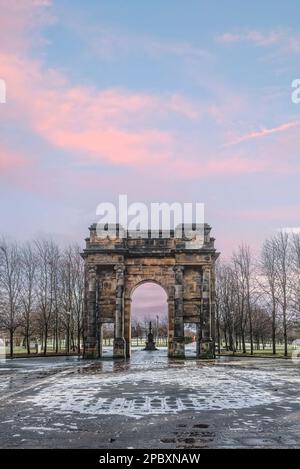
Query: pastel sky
{"x": 163, "y": 101}
{"x": 149, "y": 300}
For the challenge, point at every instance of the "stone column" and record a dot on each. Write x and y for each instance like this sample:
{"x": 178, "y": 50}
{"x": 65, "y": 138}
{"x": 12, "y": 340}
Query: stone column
{"x": 98, "y": 318}
{"x": 213, "y": 305}
{"x": 119, "y": 341}
{"x": 90, "y": 349}
{"x": 177, "y": 348}
{"x": 205, "y": 344}
{"x": 127, "y": 325}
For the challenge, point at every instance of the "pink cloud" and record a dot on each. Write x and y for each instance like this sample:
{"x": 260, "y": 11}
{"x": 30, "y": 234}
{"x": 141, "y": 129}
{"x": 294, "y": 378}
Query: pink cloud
{"x": 115, "y": 145}
{"x": 110, "y": 125}
{"x": 93, "y": 121}
{"x": 283, "y": 39}
{"x": 112, "y": 44}
{"x": 83, "y": 120}
{"x": 114, "y": 126}
{"x": 219, "y": 166}
{"x": 21, "y": 169}
{"x": 21, "y": 23}
{"x": 257, "y": 37}
{"x": 263, "y": 132}
{"x": 10, "y": 161}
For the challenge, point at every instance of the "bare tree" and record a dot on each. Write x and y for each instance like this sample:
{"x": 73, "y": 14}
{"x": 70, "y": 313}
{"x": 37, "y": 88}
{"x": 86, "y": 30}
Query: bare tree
{"x": 261, "y": 326}
{"x": 28, "y": 267}
{"x": 47, "y": 282}
{"x": 283, "y": 262}
{"x": 227, "y": 303}
{"x": 268, "y": 283}
{"x": 72, "y": 294}
{"x": 10, "y": 285}
{"x": 78, "y": 293}
{"x": 217, "y": 305}
{"x": 295, "y": 278}
{"x": 245, "y": 271}
{"x": 66, "y": 293}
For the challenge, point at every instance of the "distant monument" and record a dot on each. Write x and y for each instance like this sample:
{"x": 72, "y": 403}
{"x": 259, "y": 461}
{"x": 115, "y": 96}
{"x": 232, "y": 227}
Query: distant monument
{"x": 150, "y": 344}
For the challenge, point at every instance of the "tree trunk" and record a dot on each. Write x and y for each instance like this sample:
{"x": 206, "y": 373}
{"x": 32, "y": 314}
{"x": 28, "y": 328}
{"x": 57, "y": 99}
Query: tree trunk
{"x": 28, "y": 341}
{"x": 78, "y": 339}
{"x": 225, "y": 337}
{"x": 68, "y": 340}
{"x": 274, "y": 331}
{"x": 244, "y": 342}
{"x": 45, "y": 339}
{"x": 251, "y": 333}
{"x": 11, "y": 343}
{"x": 218, "y": 333}
{"x": 285, "y": 333}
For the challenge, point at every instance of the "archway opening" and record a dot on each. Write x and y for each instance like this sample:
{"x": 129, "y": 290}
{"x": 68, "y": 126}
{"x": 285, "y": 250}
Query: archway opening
{"x": 191, "y": 332}
{"x": 107, "y": 331}
{"x": 149, "y": 305}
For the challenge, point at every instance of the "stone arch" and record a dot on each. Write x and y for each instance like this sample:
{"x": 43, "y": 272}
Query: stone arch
{"x": 169, "y": 290}
{"x": 114, "y": 268}
{"x": 150, "y": 280}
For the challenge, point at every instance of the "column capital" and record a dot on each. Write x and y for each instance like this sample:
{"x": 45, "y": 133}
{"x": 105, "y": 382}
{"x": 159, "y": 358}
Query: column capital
{"x": 178, "y": 268}
{"x": 120, "y": 269}
{"x": 91, "y": 269}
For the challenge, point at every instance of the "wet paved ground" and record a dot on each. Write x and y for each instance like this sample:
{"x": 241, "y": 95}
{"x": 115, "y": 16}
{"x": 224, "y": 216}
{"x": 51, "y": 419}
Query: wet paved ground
{"x": 149, "y": 402}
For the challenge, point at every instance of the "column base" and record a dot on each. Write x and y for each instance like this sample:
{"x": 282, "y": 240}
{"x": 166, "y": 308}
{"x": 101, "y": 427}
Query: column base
{"x": 177, "y": 348}
{"x": 90, "y": 352}
{"x": 127, "y": 347}
{"x": 206, "y": 349}
{"x": 119, "y": 347}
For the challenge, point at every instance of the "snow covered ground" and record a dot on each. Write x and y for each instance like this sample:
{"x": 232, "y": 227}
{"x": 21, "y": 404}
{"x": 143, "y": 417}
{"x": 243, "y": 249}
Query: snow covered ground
{"x": 149, "y": 400}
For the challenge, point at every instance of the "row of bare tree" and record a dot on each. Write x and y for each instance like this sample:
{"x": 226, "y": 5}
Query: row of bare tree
{"x": 258, "y": 298}
{"x": 41, "y": 294}
{"x": 140, "y": 329}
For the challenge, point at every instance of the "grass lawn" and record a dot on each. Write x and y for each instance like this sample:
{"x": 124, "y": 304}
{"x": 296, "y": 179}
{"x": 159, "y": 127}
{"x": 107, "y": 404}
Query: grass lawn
{"x": 267, "y": 352}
